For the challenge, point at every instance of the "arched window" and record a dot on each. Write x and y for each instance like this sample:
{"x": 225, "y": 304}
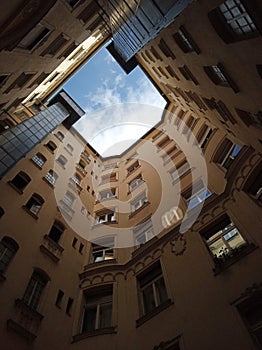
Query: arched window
{"x": 35, "y": 203}
{"x": 35, "y": 288}
{"x": 39, "y": 159}
{"x": 51, "y": 177}
{"x": 51, "y": 146}
{"x": 20, "y": 181}
{"x": 56, "y": 231}
{"x": 59, "y": 135}
{"x": 69, "y": 199}
{"x": 1, "y": 212}
{"x": 8, "y": 249}
{"x": 62, "y": 160}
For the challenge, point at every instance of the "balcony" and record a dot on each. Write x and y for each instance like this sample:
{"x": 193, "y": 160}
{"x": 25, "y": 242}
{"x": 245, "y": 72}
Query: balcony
{"x": 51, "y": 249}
{"x": 26, "y": 321}
{"x": 81, "y": 170}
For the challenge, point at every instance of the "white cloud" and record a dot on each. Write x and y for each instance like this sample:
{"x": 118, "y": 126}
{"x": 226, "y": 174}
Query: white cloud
{"x": 118, "y": 112}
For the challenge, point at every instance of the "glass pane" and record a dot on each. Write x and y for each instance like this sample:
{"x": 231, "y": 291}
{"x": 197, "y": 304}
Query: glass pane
{"x": 105, "y": 319}
{"x": 148, "y": 299}
{"x": 89, "y": 322}
{"x": 161, "y": 290}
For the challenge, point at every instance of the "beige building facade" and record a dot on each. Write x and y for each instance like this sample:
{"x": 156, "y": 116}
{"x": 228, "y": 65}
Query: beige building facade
{"x": 159, "y": 247}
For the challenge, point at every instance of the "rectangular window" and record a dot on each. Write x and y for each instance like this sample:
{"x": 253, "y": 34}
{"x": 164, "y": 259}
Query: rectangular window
{"x": 185, "y": 41}
{"x": 181, "y": 170}
{"x": 34, "y": 38}
{"x": 237, "y": 17}
{"x": 103, "y": 250}
{"x": 223, "y": 238}
{"x": 166, "y": 49}
{"x": 69, "y": 306}
{"x": 201, "y": 193}
{"x": 19, "y": 82}
{"x": 188, "y": 75}
{"x": 152, "y": 288}
{"x": 143, "y": 233}
{"x": 55, "y": 45}
{"x": 3, "y": 79}
{"x": 139, "y": 202}
{"x": 59, "y": 298}
{"x": 135, "y": 182}
{"x": 204, "y": 136}
{"x": 227, "y": 153}
{"x": 105, "y": 217}
{"x": 34, "y": 290}
{"x": 97, "y": 309}
{"x": 107, "y": 194}
{"x": 219, "y": 76}
{"x": 133, "y": 167}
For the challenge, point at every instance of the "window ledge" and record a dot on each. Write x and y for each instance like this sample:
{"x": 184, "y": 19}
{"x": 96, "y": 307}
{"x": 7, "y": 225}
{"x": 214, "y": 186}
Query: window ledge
{"x": 222, "y": 264}
{"x": 99, "y": 263}
{"x": 154, "y": 312}
{"x": 103, "y": 331}
{"x": 14, "y": 187}
{"x": 29, "y": 212}
{"x": 139, "y": 209}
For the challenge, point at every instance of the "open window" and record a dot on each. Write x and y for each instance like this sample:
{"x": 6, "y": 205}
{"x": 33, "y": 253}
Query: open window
{"x": 56, "y": 231}
{"x": 34, "y": 204}
{"x": 20, "y": 181}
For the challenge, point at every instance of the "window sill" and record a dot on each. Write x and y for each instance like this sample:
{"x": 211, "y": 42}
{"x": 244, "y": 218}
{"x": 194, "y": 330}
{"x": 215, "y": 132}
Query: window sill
{"x": 103, "y": 331}
{"x": 15, "y": 188}
{"x": 29, "y": 212}
{"x": 99, "y": 263}
{"x": 222, "y": 264}
{"x": 139, "y": 209}
{"x": 154, "y": 312}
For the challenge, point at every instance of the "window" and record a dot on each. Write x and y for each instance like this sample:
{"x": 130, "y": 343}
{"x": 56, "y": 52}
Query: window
{"x": 51, "y": 177}
{"x": 139, "y": 202}
{"x": 88, "y": 12}
{"x": 133, "y": 167}
{"x": 253, "y": 186}
{"x": 97, "y": 309}
{"x": 69, "y": 199}
{"x": 81, "y": 247}
{"x": 74, "y": 242}
{"x": 172, "y": 344}
{"x": 39, "y": 79}
{"x": 200, "y": 194}
{"x": 19, "y": 82}
{"x": 181, "y": 170}
{"x": 227, "y": 153}
{"x": 107, "y": 194}
{"x": 20, "y": 181}
{"x": 232, "y": 21}
{"x": 73, "y": 3}
{"x": 59, "y": 298}
{"x": 135, "y": 182}
{"x": 3, "y": 79}
{"x": 6, "y": 124}
{"x": 76, "y": 179}
{"x": 82, "y": 164}
{"x": 56, "y": 231}
{"x": 172, "y": 73}
{"x": 258, "y": 66}
{"x": 185, "y": 41}
{"x": 219, "y": 76}
{"x": 55, "y": 45}
{"x": 105, "y": 217}
{"x": 51, "y": 146}
{"x": 8, "y": 249}
{"x": 152, "y": 288}
{"x": 155, "y": 53}
{"x": 62, "y": 160}
{"x": 166, "y": 49}
{"x": 204, "y": 136}
{"x": 59, "y": 135}
{"x": 103, "y": 250}
{"x": 35, "y": 288}
{"x": 34, "y": 204}
{"x": 39, "y": 159}
{"x": 223, "y": 238}
{"x": 143, "y": 233}
{"x": 69, "y": 148}
{"x": 224, "y": 112}
{"x": 188, "y": 75}
{"x": 34, "y": 38}
{"x": 69, "y": 306}
{"x": 237, "y": 17}
{"x": 251, "y": 313}
{"x": 2, "y": 212}
{"x": 249, "y": 118}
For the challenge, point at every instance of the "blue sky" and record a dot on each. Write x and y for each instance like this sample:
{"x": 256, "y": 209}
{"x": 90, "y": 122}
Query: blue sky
{"x": 119, "y": 108}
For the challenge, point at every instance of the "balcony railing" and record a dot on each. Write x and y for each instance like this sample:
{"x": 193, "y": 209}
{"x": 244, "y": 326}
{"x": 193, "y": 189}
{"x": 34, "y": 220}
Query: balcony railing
{"x": 51, "y": 248}
{"x": 25, "y": 321}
